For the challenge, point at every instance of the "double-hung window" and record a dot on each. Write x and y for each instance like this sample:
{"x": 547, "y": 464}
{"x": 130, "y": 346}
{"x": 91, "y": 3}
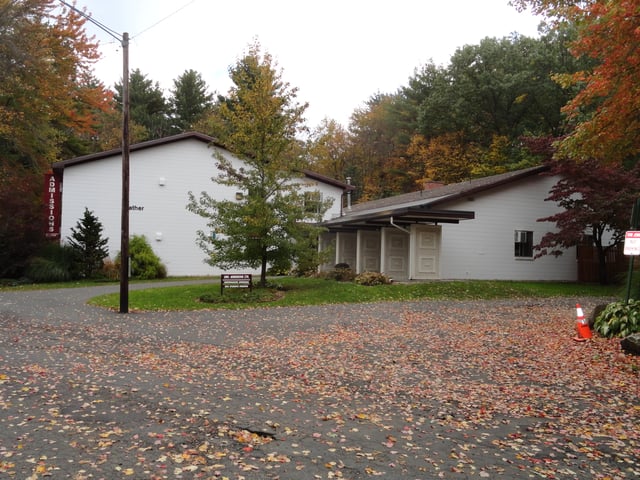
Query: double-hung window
{"x": 523, "y": 241}
{"x": 312, "y": 202}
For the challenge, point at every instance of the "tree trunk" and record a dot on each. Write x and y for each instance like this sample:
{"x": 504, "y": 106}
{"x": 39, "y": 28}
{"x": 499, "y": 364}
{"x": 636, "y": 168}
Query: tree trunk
{"x": 603, "y": 278}
{"x": 597, "y": 232}
{"x": 263, "y": 271}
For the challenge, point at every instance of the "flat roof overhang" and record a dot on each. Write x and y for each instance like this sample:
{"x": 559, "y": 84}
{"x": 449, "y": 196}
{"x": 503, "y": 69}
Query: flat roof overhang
{"x": 400, "y": 216}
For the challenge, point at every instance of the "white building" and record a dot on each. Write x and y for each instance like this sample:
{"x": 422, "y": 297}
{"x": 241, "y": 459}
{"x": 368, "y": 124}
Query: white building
{"x": 162, "y": 172}
{"x": 480, "y": 229}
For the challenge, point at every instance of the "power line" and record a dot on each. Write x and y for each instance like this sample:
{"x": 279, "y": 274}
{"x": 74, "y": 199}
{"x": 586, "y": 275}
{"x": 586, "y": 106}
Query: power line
{"x": 115, "y": 34}
{"x": 163, "y": 19}
{"x": 101, "y": 26}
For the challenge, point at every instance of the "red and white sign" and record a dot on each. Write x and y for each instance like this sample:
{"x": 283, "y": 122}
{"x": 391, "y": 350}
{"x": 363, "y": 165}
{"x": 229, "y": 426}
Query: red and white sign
{"x": 632, "y": 243}
{"x": 52, "y": 197}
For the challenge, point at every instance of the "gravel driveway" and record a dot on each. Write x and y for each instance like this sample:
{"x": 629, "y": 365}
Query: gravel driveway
{"x": 413, "y": 390}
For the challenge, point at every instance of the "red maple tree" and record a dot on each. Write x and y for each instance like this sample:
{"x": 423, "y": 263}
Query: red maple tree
{"x": 596, "y": 201}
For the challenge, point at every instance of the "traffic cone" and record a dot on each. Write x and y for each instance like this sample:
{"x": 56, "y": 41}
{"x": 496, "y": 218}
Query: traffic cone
{"x": 582, "y": 326}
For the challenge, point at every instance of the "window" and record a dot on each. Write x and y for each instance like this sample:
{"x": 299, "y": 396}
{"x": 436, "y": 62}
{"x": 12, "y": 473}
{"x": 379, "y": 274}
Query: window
{"x": 312, "y": 202}
{"x": 523, "y": 244}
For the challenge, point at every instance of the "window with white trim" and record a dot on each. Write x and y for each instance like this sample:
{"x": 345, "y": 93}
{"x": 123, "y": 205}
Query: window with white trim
{"x": 312, "y": 202}
{"x": 523, "y": 241}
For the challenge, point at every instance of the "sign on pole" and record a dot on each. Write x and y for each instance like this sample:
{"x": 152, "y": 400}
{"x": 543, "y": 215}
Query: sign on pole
{"x": 632, "y": 242}
{"x": 53, "y": 202}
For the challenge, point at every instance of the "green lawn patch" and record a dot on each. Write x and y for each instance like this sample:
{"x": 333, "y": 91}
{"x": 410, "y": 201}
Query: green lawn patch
{"x": 286, "y": 291}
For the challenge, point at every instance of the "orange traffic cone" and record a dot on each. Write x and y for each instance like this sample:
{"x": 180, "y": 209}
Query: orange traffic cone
{"x": 582, "y": 326}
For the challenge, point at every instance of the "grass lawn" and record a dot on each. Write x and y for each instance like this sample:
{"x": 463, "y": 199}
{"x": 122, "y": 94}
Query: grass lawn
{"x": 12, "y": 285}
{"x": 287, "y": 291}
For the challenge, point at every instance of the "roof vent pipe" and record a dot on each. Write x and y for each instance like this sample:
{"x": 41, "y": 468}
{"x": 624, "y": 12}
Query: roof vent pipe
{"x": 398, "y": 226}
{"x": 349, "y": 194}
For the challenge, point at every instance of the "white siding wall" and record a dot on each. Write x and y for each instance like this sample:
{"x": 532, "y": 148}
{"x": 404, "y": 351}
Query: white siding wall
{"x": 185, "y": 166}
{"x": 483, "y": 248}
{"x": 327, "y": 191}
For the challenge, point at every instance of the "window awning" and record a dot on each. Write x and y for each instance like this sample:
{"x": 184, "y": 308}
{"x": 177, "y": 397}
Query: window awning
{"x": 403, "y": 216}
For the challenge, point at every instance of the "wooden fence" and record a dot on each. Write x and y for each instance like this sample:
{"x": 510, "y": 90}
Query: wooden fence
{"x": 617, "y": 264}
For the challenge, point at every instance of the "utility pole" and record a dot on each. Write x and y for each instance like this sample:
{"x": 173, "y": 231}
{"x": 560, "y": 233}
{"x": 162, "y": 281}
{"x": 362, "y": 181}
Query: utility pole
{"x": 124, "y": 229}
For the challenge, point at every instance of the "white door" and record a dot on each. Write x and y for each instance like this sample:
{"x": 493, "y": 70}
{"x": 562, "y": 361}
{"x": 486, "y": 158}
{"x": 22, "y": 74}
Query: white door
{"x": 426, "y": 252}
{"x": 369, "y": 251}
{"x": 396, "y": 254}
{"x": 346, "y": 249}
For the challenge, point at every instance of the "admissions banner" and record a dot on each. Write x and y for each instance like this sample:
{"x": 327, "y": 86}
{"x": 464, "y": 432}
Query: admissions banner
{"x": 52, "y": 196}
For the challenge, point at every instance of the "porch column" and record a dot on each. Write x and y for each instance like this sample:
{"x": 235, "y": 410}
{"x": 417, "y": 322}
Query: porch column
{"x": 358, "y": 250}
{"x": 383, "y": 249}
{"x": 337, "y": 254}
{"x": 412, "y": 252}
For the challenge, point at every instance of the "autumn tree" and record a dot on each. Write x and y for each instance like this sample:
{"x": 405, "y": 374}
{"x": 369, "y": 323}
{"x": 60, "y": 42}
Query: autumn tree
{"x": 46, "y": 85}
{"x": 328, "y": 148}
{"x": 484, "y": 101}
{"x": 49, "y": 104}
{"x": 596, "y": 201}
{"x": 109, "y": 135}
{"x": 378, "y": 140}
{"x": 604, "y": 114}
{"x": 445, "y": 159}
{"x": 189, "y": 100}
{"x": 258, "y": 121}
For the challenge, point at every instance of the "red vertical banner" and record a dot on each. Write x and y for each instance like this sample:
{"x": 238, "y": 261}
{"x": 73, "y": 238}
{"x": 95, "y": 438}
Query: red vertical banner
{"x": 52, "y": 197}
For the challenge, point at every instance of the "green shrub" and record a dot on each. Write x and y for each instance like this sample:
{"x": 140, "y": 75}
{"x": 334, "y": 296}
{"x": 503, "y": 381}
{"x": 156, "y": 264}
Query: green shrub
{"x": 619, "y": 319}
{"x": 145, "y": 264}
{"x": 280, "y": 268}
{"x": 372, "y": 278}
{"x": 341, "y": 272}
{"x": 54, "y": 263}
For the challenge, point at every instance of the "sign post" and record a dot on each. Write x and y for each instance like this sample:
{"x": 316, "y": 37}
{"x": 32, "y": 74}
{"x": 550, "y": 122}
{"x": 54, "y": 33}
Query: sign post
{"x": 632, "y": 242}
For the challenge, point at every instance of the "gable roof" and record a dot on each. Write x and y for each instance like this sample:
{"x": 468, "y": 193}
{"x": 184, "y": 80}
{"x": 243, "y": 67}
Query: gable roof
{"x": 61, "y": 165}
{"x": 421, "y": 206}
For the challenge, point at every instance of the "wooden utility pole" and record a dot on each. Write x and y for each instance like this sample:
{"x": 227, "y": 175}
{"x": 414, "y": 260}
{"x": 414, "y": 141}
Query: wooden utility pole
{"x": 124, "y": 230}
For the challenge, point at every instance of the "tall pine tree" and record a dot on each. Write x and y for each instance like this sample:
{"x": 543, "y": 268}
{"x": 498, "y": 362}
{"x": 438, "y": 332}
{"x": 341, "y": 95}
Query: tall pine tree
{"x": 189, "y": 100}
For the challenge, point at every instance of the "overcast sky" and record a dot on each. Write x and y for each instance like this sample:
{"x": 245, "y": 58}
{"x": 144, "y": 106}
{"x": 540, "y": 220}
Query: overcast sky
{"x": 338, "y": 53}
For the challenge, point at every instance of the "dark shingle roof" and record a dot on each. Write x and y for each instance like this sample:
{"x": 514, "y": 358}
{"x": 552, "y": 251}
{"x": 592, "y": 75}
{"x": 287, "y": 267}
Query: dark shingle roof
{"x": 447, "y": 192}
{"x": 422, "y": 206}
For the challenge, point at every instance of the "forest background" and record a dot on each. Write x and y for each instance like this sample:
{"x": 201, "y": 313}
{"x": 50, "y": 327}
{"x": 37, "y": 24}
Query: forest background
{"x": 500, "y": 105}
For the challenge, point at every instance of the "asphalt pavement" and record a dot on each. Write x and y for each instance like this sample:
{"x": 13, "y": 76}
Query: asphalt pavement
{"x": 401, "y": 390}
